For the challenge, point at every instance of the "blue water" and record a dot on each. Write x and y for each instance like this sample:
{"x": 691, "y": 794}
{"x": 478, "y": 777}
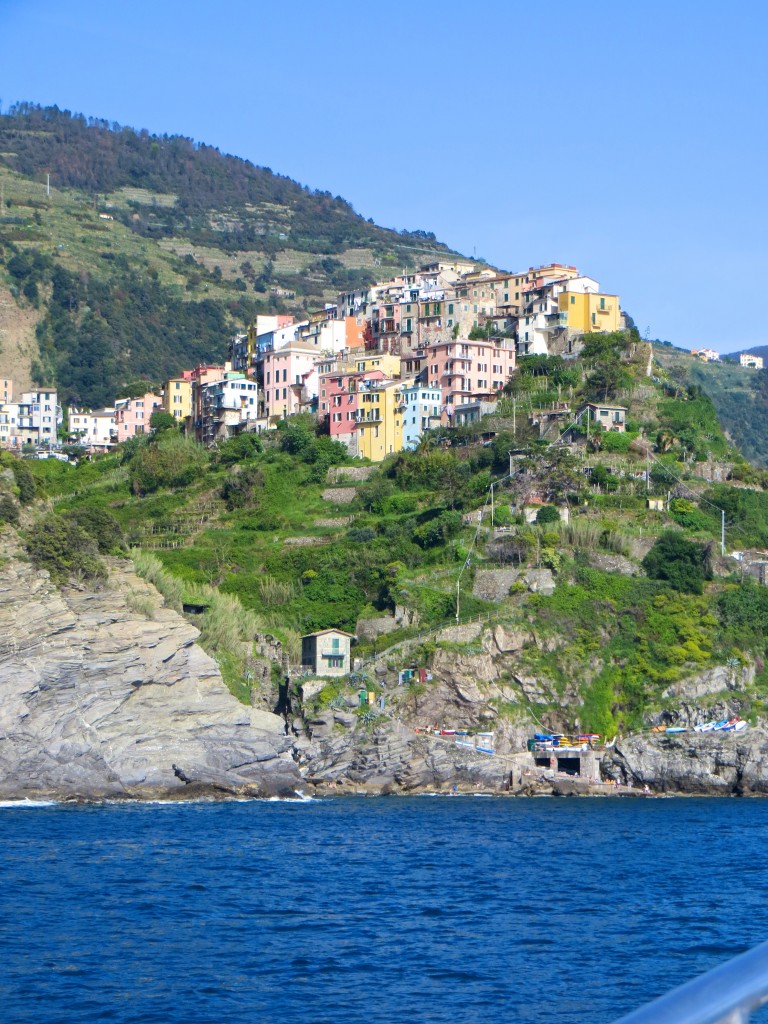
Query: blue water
{"x": 364, "y": 911}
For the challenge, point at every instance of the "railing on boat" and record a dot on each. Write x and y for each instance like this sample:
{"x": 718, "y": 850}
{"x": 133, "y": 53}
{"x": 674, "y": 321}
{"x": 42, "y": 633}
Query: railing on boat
{"x": 728, "y": 994}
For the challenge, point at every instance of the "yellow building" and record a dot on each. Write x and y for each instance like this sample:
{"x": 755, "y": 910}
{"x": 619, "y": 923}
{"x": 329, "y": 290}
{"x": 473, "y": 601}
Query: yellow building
{"x": 589, "y": 312}
{"x": 379, "y": 419}
{"x": 386, "y": 362}
{"x": 177, "y": 398}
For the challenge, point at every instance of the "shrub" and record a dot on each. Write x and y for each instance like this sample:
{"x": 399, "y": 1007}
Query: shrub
{"x": 682, "y": 563}
{"x": 362, "y": 536}
{"x": 547, "y": 514}
{"x": 239, "y": 448}
{"x": 23, "y": 478}
{"x": 241, "y": 489}
{"x": 65, "y": 550}
{"x": 169, "y": 461}
{"x": 9, "y": 510}
{"x": 437, "y": 531}
{"x": 100, "y": 524}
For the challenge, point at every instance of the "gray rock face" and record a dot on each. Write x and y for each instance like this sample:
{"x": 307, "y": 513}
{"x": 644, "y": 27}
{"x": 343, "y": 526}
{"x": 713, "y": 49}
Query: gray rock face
{"x": 723, "y": 764}
{"x": 394, "y": 758}
{"x": 99, "y": 701}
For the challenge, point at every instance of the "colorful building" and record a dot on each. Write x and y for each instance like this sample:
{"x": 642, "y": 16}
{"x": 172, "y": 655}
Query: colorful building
{"x": 290, "y": 380}
{"x": 466, "y": 370}
{"x": 379, "y": 419}
{"x": 133, "y": 415}
{"x": 421, "y": 411}
{"x": 177, "y": 397}
{"x": 587, "y": 312}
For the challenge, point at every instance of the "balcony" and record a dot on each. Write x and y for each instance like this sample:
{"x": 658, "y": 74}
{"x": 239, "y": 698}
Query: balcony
{"x": 555, "y": 322}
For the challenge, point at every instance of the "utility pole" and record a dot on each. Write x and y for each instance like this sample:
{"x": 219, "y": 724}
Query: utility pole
{"x": 458, "y": 588}
{"x": 722, "y": 531}
{"x": 491, "y": 504}
{"x": 48, "y": 185}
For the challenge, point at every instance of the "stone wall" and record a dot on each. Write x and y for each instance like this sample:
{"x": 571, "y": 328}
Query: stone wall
{"x": 357, "y": 473}
{"x": 494, "y": 584}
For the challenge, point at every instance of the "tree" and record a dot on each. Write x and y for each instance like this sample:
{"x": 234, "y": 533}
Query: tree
{"x": 161, "y": 420}
{"x": 681, "y": 563}
{"x": 606, "y": 380}
{"x": 547, "y": 514}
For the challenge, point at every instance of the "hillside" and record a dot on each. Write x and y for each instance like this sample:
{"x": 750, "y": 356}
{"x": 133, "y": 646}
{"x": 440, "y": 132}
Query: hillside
{"x": 739, "y": 394}
{"x": 149, "y": 252}
{"x": 605, "y": 605}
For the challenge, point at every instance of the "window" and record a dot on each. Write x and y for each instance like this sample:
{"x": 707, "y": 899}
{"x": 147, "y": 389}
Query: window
{"x": 450, "y": 309}
{"x": 594, "y": 318}
{"x": 335, "y": 661}
{"x": 602, "y": 303}
{"x": 573, "y": 300}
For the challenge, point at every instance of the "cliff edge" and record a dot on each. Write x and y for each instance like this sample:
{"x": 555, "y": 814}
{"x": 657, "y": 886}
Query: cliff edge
{"x": 106, "y": 695}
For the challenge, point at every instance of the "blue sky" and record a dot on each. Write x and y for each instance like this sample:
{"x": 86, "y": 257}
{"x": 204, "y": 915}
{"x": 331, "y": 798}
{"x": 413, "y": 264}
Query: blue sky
{"x": 628, "y": 139}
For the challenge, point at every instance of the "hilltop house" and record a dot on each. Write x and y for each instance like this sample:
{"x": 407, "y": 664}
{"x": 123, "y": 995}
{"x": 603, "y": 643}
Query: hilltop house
{"x": 326, "y": 652}
{"x": 610, "y": 417}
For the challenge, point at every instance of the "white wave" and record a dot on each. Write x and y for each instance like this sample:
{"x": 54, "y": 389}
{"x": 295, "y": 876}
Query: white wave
{"x": 28, "y": 803}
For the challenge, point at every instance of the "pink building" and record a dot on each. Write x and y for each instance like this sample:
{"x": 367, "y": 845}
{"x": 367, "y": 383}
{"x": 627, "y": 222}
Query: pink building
{"x": 338, "y": 401}
{"x": 466, "y": 370}
{"x": 132, "y": 415}
{"x": 290, "y": 380}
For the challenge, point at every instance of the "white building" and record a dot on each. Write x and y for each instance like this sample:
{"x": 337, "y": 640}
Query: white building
{"x": 96, "y": 430}
{"x": 39, "y": 416}
{"x": 9, "y": 429}
{"x": 421, "y": 413}
{"x": 754, "y": 362}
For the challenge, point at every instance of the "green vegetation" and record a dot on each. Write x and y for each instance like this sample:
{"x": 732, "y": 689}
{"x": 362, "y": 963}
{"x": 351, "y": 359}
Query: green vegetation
{"x": 66, "y": 550}
{"x": 739, "y": 396}
{"x": 683, "y": 564}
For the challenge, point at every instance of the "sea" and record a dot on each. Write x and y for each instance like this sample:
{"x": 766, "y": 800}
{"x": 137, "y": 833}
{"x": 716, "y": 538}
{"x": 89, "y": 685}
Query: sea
{"x": 423, "y": 910}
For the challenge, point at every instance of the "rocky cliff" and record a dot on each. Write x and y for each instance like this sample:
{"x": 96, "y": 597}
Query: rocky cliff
{"x": 106, "y": 695}
{"x": 705, "y": 764}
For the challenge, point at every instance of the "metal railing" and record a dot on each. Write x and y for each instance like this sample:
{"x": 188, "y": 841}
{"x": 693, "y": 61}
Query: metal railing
{"x": 728, "y": 994}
